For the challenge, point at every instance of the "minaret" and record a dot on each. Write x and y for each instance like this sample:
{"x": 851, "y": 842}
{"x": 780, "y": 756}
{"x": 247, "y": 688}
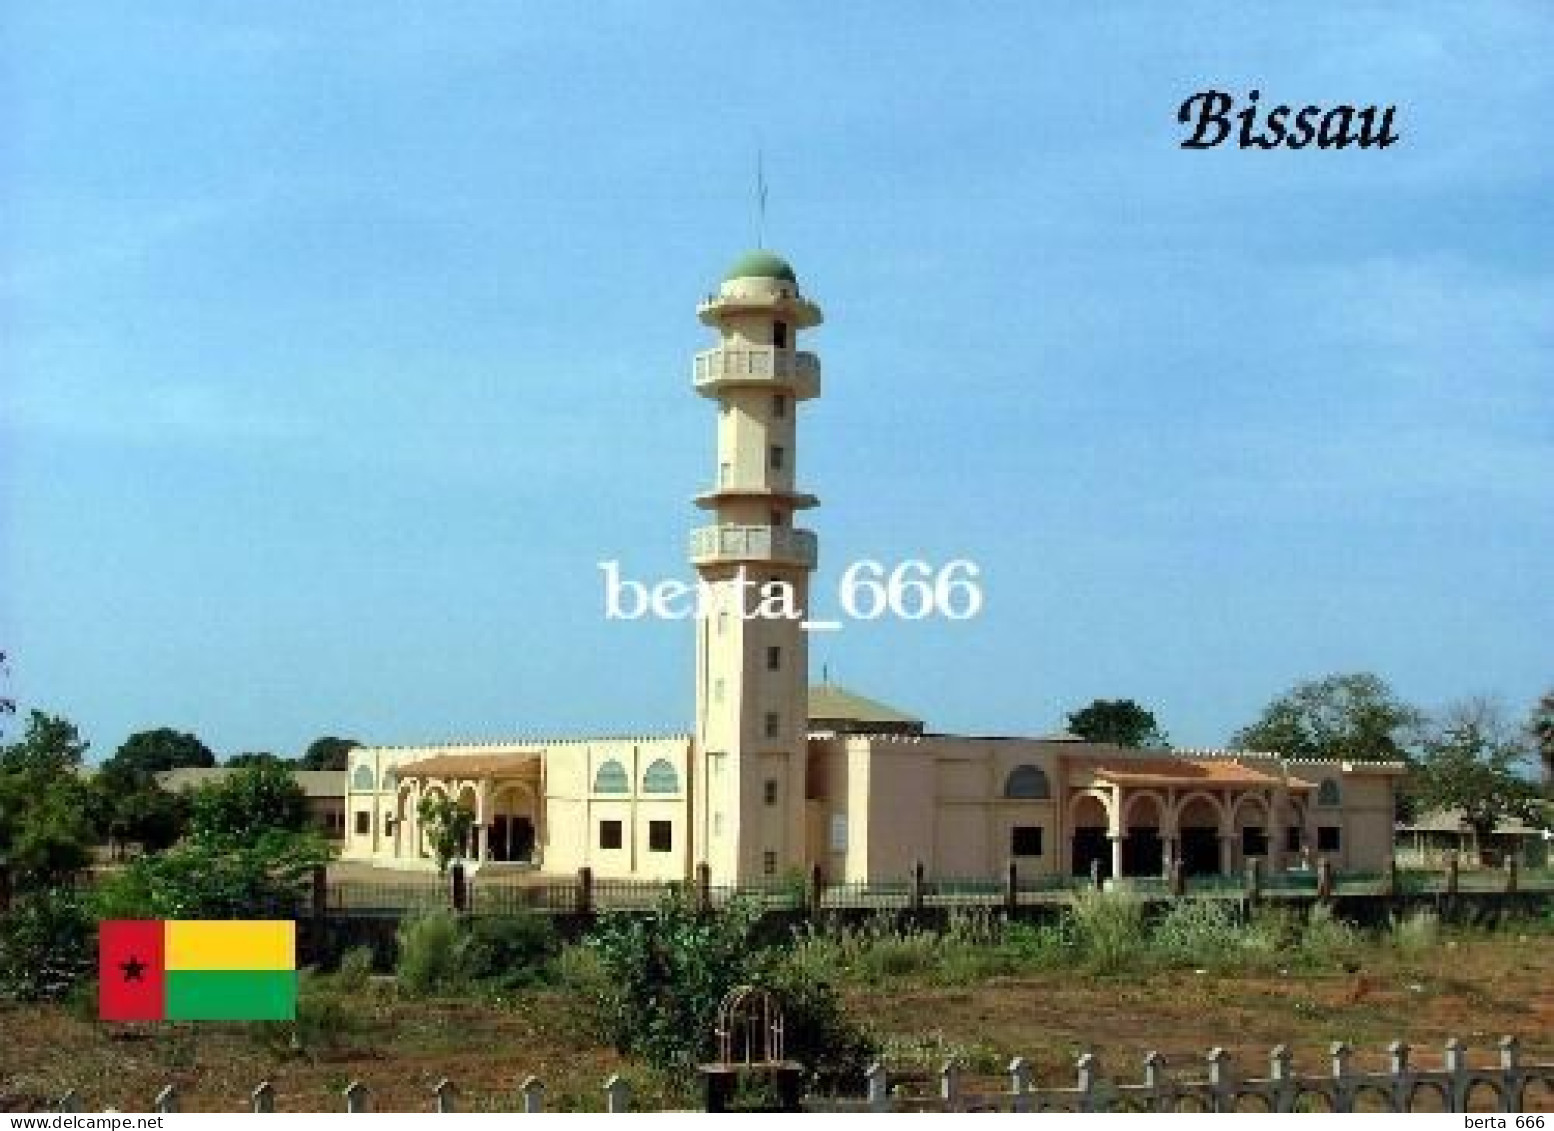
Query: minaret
{"x": 752, "y": 671}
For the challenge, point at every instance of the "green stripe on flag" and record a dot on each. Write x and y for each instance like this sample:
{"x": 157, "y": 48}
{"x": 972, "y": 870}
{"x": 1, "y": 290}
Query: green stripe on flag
{"x": 231, "y": 995}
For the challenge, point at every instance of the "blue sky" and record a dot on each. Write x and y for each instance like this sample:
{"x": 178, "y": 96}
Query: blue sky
{"x": 340, "y": 343}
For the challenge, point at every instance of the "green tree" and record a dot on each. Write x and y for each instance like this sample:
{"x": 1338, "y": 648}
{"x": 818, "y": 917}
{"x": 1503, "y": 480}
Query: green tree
{"x": 149, "y": 816}
{"x": 255, "y": 758}
{"x": 265, "y": 877}
{"x": 447, "y": 825}
{"x": 1354, "y": 716}
{"x": 1541, "y": 729}
{"x": 254, "y": 800}
{"x": 1121, "y": 722}
{"x": 153, "y": 751}
{"x": 327, "y": 753}
{"x": 7, "y": 704}
{"x": 1471, "y": 759}
{"x": 46, "y": 832}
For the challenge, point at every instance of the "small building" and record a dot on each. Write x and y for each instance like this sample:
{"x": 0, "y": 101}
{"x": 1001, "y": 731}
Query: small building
{"x": 323, "y": 789}
{"x": 1429, "y": 840}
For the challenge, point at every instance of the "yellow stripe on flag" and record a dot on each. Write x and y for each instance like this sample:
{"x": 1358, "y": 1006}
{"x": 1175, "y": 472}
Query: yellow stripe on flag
{"x": 235, "y": 944}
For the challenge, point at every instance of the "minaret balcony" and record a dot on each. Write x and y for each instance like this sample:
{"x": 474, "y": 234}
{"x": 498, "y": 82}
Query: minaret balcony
{"x": 785, "y": 545}
{"x": 748, "y": 366}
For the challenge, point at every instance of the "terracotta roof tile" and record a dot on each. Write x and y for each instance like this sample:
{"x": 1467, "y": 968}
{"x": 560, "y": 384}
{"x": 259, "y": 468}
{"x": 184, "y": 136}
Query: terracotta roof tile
{"x": 472, "y": 766}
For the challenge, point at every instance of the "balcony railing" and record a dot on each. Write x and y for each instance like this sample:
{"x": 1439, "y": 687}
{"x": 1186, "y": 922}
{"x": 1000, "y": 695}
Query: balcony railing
{"x": 731, "y": 366}
{"x": 755, "y": 543}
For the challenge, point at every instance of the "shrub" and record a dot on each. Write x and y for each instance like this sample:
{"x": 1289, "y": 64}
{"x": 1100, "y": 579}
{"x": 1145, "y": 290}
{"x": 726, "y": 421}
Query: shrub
{"x": 261, "y": 879}
{"x": 1416, "y": 934}
{"x": 46, "y": 946}
{"x": 511, "y": 951}
{"x": 1108, "y": 928}
{"x": 1327, "y": 939}
{"x": 1199, "y": 932}
{"x": 355, "y": 972}
{"x": 431, "y": 954}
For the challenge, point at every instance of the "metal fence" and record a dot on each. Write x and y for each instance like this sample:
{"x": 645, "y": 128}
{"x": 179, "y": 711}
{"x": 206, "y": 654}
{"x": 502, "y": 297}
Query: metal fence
{"x": 1510, "y": 1085}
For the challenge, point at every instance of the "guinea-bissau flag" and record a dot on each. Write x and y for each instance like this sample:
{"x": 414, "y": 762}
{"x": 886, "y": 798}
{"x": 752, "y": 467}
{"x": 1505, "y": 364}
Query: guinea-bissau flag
{"x": 197, "y": 970}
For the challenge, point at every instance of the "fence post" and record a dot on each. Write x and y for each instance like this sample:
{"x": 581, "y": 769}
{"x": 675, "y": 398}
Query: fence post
{"x": 1085, "y": 1068}
{"x": 879, "y": 1087}
{"x": 1452, "y": 878}
{"x": 1324, "y": 879}
{"x": 1282, "y": 1076}
{"x": 166, "y": 1100}
{"x": 1019, "y": 1084}
{"x": 1402, "y": 1083}
{"x": 704, "y": 887}
{"x": 1254, "y": 879}
{"x": 1457, "y": 1065}
{"x": 1011, "y": 886}
{"x": 817, "y": 891}
{"x": 617, "y": 1094}
{"x": 1512, "y": 1081}
{"x": 261, "y": 1101}
{"x": 1389, "y": 878}
{"x": 533, "y": 1095}
{"x": 445, "y": 1097}
{"x": 1343, "y": 1081}
{"x": 949, "y": 1084}
{"x": 1511, "y": 867}
{"x": 1220, "y": 1079}
{"x": 917, "y": 885}
{"x": 357, "y": 1098}
{"x": 585, "y": 891}
{"x": 1095, "y": 875}
{"x": 1155, "y": 1080}
{"x": 1178, "y": 877}
{"x": 460, "y": 888}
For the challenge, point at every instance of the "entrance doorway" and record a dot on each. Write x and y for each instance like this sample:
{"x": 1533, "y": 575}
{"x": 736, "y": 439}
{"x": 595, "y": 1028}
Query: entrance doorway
{"x": 512, "y": 839}
{"x": 1092, "y": 844}
{"x": 1200, "y": 851}
{"x": 1143, "y": 853}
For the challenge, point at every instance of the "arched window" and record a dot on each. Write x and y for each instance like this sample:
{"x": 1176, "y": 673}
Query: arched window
{"x": 1028, "y": 783}
{"x": 362, "y": 780}
{"x": 1328, "y": 792}
{"x": 660, "y": 778}
{"x": 611, "y": 778}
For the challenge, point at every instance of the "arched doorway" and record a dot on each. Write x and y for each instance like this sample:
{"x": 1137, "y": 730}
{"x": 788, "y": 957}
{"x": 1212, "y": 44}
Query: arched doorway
{"x": 1250, "y": 828}
{"x": 1090, "y": 822}
{"x": 514, "y": 824}
{"x": 1199, "y": 819}
{"x": 1143, "y": 849}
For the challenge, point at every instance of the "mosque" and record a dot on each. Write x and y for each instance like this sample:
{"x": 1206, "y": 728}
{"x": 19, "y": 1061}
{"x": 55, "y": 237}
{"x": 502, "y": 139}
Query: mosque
{"x": 779, "y": 776}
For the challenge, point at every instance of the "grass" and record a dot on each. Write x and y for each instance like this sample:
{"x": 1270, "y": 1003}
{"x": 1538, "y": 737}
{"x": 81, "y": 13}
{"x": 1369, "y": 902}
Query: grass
{"x": 979, "y": 992}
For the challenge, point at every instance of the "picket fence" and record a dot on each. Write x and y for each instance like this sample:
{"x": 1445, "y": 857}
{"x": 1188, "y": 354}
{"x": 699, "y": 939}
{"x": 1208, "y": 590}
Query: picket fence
{"x": 1454, "y": 1085}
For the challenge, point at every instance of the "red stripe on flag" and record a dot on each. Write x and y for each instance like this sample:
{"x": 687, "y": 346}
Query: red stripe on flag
{"x": 131, "y": 970}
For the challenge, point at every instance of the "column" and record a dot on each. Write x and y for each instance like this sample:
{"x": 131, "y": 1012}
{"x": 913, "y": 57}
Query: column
{"x": 1116, "y": 857}
{"x": 1168, "y": 852}
{"x": 1226, "y": 857}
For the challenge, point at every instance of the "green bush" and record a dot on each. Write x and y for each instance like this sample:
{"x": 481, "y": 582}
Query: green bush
{"x": 1199, "y": 932}
{"x": 511, "y": 951}
{"x": 1417, "y": 934}
{"x": 47, "y": 946}
{"x": 355, "y": 973}
{"x": 665, "y": 975}
{"x": 1327, "y": 940}
{"x": 431, "y": 948}
{"x": 1109, "y": 929}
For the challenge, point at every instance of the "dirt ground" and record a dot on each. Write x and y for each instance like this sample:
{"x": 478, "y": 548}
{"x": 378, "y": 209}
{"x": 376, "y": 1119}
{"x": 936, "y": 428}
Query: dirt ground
{"x": 1476, "y": 990}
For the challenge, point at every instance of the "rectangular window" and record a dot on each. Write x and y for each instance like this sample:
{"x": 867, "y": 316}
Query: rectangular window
{"x": 769, "y": 863}
{"x": 838, "y": 832}
{"x": 610, "y": 834}
{"x": 725, "y": 474}
{"x": 773, "y": 724}
{"x": 777, "y": 457}
{"x": 779, "y": 405}
{"x": 776, "y": 517}
{"x": 770, "y": 791}
{"x": 1292, "y": 839}
{"x": 1025, "y": 840}
{"x": 722, "y": 622}
{"x": 1328, "y": 838}
{"x": 660, "y": 836}
{"x": 363, "y": 822}
{"x": 774, "y": 657}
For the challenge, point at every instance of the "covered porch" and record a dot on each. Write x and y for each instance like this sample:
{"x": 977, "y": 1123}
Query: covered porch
{"x": 1136, "y": 815}
{"x": 503, "y": 792}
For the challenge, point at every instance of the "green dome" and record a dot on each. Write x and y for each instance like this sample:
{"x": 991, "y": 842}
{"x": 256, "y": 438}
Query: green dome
{"x": 761, "y": 265}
